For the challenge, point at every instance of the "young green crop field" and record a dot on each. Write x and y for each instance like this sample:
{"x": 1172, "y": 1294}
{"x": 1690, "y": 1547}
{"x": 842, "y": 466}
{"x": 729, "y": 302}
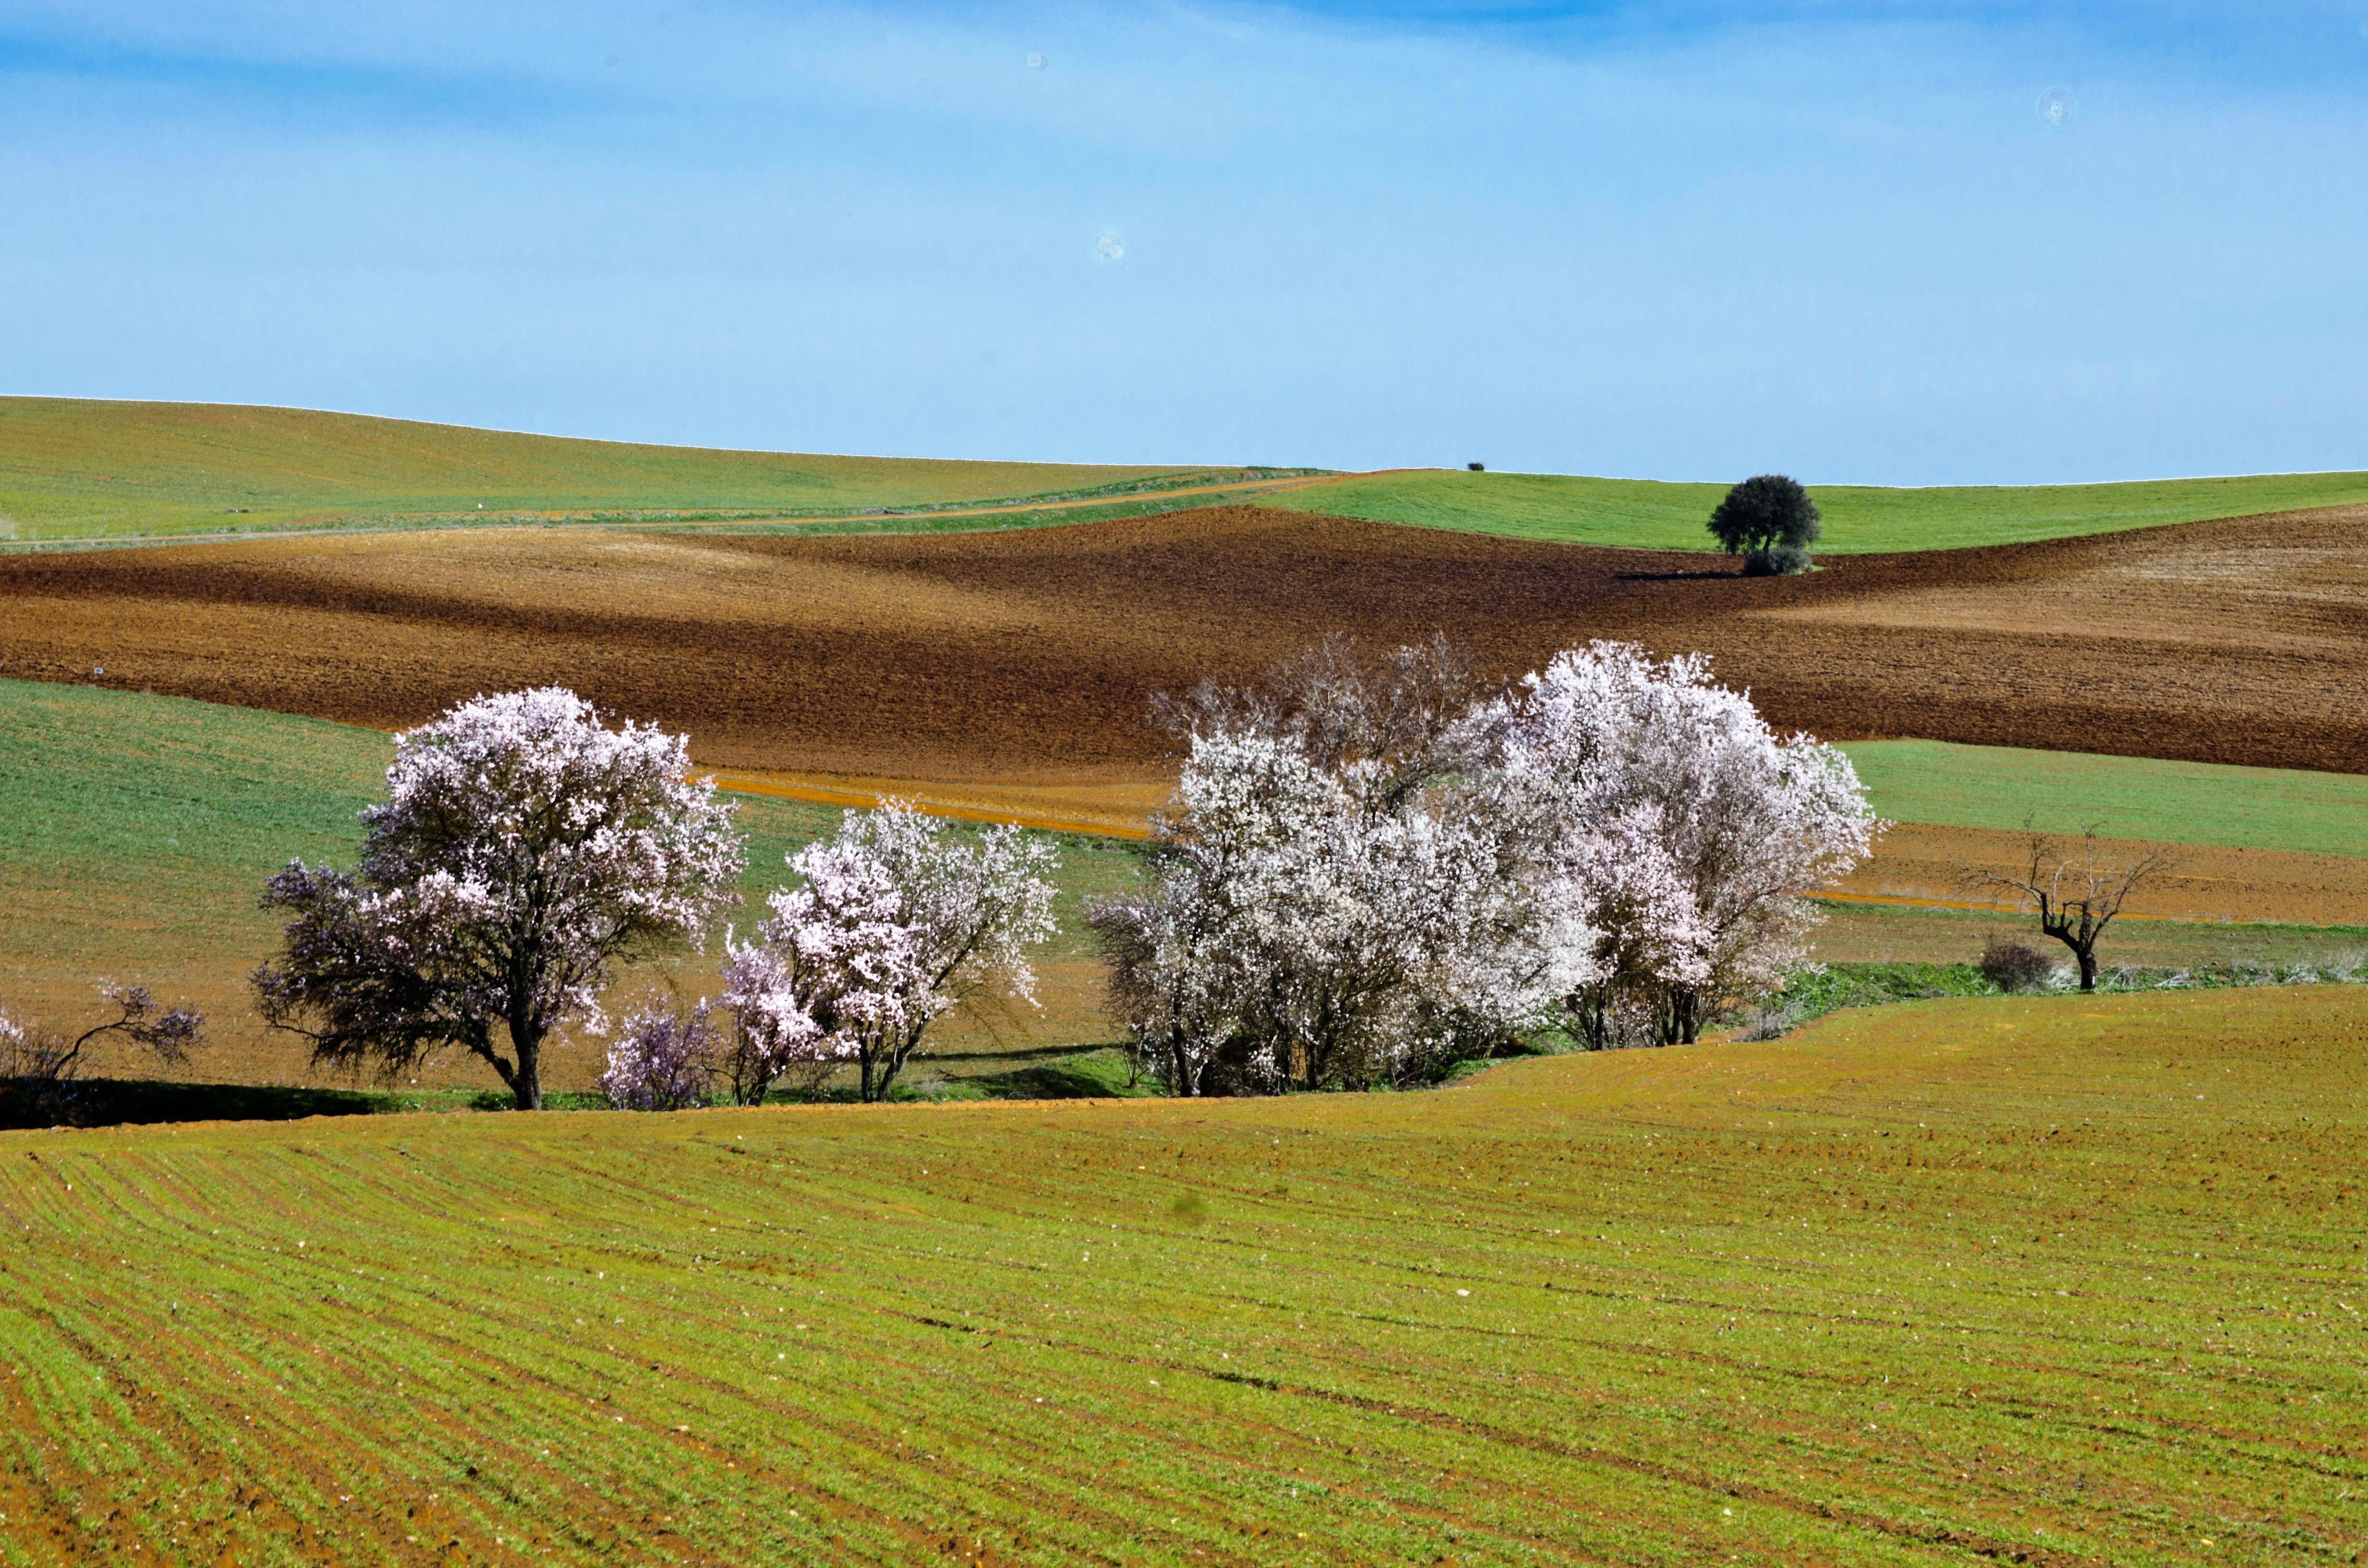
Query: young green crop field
{"x": 75, "y": 469}
{"x": 2053, "y": 1282}
{"x": 1859, "y": 519}
{"x": 2065, "y": 792}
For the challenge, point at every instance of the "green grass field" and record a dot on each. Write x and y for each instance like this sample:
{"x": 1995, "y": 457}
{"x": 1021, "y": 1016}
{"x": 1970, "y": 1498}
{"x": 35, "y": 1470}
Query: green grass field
{"x": 72, "y": 467}
{"x": 1859, "y": 519}
{"x": 2063, "y": 793}
{"x": 2053, "y": 1282}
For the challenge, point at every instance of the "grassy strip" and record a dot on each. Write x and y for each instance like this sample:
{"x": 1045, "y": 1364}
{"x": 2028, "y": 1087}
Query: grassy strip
{"x": 2055, "y": 1280}
{"x": 1859, "y": 519}
{"x": 953, "y": 519}
{"x": 1067, "y": 1073}
{"x": 2000, "y": 788}
{"x": 1081, "y": 1072}
{"x": 1813, "y": 991}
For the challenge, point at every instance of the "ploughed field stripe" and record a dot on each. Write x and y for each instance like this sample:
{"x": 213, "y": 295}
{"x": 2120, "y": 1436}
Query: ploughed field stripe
{"x": 1030, "y": 655}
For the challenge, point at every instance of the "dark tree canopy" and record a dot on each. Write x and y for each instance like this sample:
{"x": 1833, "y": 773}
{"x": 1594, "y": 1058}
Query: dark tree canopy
{"x": 1765, "y": 513}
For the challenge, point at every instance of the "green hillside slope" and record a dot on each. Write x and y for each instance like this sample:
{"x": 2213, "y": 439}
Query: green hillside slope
{"x": 1859, "y": 519}
{"x": 73, "y": 468}
{"x": 77, "y": 469}
{"x": 2126, "y": 797}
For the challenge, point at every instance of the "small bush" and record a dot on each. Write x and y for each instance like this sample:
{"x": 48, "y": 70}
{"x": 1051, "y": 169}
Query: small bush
{"x": 2012, "y": 966}
{"x": 1477, "y": 468}
{"x": 663, "y": 1060}
{"x": 1777, "y": 561}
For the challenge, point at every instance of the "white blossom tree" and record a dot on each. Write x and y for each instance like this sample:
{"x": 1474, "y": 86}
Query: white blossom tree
{"x": 522, "y": 848}
{"x": 897, "y": 922}
{"x": 1334, "y": 900}
{"x": 1695, "y": 827}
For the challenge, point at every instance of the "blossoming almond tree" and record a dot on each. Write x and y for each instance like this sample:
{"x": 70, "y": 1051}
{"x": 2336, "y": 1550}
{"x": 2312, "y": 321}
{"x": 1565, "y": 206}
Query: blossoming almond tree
{"x": 897, "y": 922}
{"x": 1335, "y": 900}
{"x": 522, "y": 848}
{"x": 1698, "y": 826}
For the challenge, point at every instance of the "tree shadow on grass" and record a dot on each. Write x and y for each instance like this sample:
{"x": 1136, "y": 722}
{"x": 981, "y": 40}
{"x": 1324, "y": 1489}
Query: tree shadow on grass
{"x": 1057, "y": 1072}
{"x": 135, "y": 1102}
{"x": 1098, "y": 1072}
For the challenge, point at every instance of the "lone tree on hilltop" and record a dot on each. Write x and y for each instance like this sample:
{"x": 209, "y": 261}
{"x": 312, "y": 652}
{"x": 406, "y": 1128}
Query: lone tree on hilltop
{"x": 522, "y": 849}
{"x": 1770, "y": 522}
{"x": 2077, "y": 898}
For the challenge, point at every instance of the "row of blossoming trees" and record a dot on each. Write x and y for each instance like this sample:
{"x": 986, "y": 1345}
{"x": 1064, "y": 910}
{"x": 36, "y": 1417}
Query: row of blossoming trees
{"x": 1371, "y": 869}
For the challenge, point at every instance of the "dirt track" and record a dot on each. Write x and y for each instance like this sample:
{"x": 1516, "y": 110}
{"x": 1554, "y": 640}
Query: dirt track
{"x": 1027, "y": 656}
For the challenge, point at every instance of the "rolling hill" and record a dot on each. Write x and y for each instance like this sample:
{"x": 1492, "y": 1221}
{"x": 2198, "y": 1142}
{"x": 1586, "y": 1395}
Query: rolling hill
{"x": 77, "y": 469}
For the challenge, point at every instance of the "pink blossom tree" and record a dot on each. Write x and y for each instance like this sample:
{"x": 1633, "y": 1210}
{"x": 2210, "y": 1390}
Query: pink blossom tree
{"x": 897, "y": 922}
{"x": 523, "y": 848}
{"x": 662, "y": 1058}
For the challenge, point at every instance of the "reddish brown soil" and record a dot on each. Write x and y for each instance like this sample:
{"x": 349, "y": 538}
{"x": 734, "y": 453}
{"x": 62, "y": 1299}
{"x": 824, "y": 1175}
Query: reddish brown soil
{"x": 1027, "y": 656}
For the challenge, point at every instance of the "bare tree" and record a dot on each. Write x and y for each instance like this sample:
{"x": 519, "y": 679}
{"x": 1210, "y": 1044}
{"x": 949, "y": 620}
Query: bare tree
{"x": 2076, "y": 896}
{"x": 39, "y": 1069}
{"x": 171, "y": 1034}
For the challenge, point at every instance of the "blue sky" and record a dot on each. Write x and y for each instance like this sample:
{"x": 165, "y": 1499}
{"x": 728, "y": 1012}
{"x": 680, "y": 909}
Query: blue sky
{"x": 1686, "y": 241}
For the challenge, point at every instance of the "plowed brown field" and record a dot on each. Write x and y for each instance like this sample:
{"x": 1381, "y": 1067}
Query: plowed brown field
{"x": 1026, "y": 656}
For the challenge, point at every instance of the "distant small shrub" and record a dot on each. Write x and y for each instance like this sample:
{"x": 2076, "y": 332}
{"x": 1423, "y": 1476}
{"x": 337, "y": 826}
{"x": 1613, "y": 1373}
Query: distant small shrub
{"x": 1477, "y": 468}
{"x": 1777, "y": 561}
{"x": 2012, "y": 966}
{"x": 663, "y": 1060}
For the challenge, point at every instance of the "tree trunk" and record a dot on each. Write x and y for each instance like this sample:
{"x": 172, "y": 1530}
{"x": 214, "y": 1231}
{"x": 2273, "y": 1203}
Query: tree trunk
{"x": 528, "y": 1085}
{"x": 2088, "y": 956}
{"x": 1681, "y": 1017}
